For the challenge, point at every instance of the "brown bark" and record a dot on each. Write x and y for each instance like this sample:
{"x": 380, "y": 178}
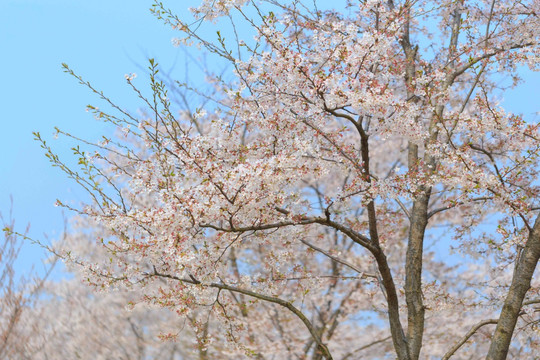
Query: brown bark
{"x": 398, "y": 337}
{"x": 413, "y": 278}
{"x": 521, "y": 282}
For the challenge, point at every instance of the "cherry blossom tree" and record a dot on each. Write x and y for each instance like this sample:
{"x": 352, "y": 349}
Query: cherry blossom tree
{"x": 355, "y": 191}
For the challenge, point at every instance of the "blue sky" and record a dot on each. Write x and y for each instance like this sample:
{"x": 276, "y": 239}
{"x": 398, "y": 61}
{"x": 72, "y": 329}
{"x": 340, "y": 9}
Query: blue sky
{"x": 101, "y": 40}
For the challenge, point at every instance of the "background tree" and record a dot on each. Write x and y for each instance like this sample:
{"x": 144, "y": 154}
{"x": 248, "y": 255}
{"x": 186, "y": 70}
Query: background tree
{"x": 18, "y": 295}
{"x": 45, "y": 318}
{"x": 308, "y": 210}
{"x": 76, "y": 322}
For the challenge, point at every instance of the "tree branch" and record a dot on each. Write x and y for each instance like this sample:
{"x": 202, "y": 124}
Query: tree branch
{"x": 338, "y": 260}
{"x": 286, "y": 304}
{"x": 464, "y": 339}
{"x": 348, "y": 355}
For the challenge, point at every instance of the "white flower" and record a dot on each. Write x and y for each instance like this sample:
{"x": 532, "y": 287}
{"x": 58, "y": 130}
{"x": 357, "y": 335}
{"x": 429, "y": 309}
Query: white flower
{"x": 130, "y": 77}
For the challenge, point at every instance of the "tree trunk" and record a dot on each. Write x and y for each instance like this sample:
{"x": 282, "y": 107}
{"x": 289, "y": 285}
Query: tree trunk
{"x": 521, "y": 282}
{"x": 413, "y": 278}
